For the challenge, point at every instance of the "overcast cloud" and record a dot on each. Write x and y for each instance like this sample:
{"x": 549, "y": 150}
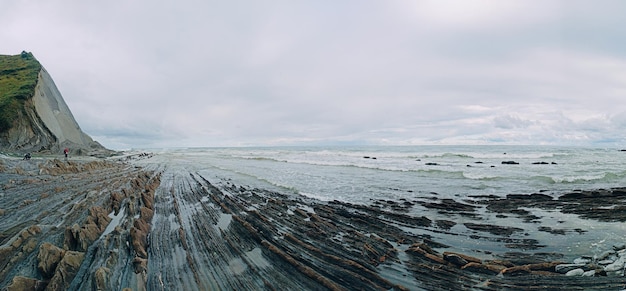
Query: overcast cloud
{"x": 232, "y": 73}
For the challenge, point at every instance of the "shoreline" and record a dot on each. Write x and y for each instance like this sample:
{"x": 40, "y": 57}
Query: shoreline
{"x": 179, "y": 229}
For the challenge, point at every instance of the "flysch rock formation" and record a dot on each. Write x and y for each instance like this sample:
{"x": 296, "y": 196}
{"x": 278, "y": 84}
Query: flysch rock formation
{"x": 149, "y": 225}
{"x": 48, "y": 125}
{"x": 56, "y": 115}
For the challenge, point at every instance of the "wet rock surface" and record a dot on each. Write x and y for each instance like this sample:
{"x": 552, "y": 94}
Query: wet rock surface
{"x": 98, "y": 225}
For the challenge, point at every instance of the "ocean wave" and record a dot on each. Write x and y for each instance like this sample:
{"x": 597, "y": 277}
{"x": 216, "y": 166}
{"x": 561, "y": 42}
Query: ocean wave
{"x": 600, "y": 178}
{"x": 446, "y": 155}
{"x": 253, "y": 177}
{"x": 264, "y": 159}
{"x": 482, "y": 177}
{"x": 544, "y": 179}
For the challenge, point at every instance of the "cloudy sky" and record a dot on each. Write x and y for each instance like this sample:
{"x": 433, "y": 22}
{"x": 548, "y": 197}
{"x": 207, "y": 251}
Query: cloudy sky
{"x": 235, "y": 73}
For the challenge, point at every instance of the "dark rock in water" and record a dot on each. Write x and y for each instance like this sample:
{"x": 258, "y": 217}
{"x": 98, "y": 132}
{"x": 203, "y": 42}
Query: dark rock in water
{"x": 445, "y": 224}
{"x": 510, "y": 163}
{"x": 455, "y": 259}
{"x": 601, "y": 205}
{"x": 619, "y": 247}
{"x": 460, "y": 259}
{"x": 551, "y": 230}
{"x": 490, "y": 196}
{"x": 493, "y": 229}
{"x": 534, "y": 197}
{"x": 450, "y": 205}
{"x": 524, "y": 244}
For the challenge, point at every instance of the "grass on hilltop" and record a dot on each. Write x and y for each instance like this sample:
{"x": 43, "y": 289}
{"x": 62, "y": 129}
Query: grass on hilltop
{"x": 18, "y": 78}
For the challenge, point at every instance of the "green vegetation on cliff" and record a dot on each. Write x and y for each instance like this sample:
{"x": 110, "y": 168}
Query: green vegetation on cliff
{"x": 18, "y": 78}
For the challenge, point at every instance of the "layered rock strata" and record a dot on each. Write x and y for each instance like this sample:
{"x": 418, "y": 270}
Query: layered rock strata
{"x": 43, "y": 122}
{"x": 110, "y": 226}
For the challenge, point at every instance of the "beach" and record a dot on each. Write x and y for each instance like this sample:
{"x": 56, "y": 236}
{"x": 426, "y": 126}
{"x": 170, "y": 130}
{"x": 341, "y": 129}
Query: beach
{"x": 166, "y": 221}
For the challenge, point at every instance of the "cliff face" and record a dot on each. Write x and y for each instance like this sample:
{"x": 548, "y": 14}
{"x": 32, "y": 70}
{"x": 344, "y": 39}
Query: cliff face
{"x": 42, "y": 121}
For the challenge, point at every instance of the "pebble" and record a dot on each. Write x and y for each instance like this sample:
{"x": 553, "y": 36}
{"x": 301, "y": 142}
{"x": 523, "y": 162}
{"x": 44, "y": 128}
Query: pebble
{"x": 613, "y": 262}
{"x": 582, "y": 261}
{"x": 564, "y": 268}
{"x": 615, "y": 266}
{"x": 604, "y": 255}
{"x": 589, "y": 273}
{"x": 575, "y": 272}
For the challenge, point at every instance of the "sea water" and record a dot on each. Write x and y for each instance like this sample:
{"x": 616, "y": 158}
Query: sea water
{"x": 361, "y": 174}
{"x": 367, "y": 174}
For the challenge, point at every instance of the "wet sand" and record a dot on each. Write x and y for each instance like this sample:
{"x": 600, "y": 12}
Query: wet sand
{"x": 143, "y": 225}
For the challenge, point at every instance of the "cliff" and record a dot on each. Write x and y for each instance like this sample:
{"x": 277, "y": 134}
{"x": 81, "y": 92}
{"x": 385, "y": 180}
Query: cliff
{"x": 33, "y": 115}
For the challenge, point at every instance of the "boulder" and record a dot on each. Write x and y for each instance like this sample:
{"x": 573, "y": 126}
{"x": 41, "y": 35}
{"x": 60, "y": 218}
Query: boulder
{"x": 49, "y": 257}
{"x": 564, "y": 268}
{"x": 99, "y": 217}
{"x": 590, "y": 273}
{"x": 66, "y": 270}
{"x": 79, "y": 239}
{"x": 116, "y": 201}
{"x": 140, "y": 265}
{"x": 101, "y": 279}
{"x": 615, "y": 266}
{"x": 139, "y": 241}
{"x": 575, "y": 272}
{"x": 20, "y": 283}
{"x": 146, "y": 214}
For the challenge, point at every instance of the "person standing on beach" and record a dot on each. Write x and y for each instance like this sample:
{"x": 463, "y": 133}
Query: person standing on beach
{"x": 66, "y": 151}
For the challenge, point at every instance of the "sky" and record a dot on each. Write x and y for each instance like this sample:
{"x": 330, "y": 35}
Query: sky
{"x": 196, "y": 73}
